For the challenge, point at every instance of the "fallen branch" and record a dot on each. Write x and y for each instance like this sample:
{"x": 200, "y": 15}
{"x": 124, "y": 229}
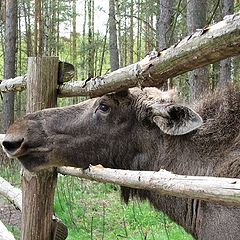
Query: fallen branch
{"x": 213, "y": 189}
{"x": 4, "y": 233}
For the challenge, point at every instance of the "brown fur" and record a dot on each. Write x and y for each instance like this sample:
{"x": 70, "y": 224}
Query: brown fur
{"x": 126, "y": 137}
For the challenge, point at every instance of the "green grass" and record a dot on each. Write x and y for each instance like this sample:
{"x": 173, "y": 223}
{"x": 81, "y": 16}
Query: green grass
{"x": 14, "y": 230}
{"x": 94, "y": 211}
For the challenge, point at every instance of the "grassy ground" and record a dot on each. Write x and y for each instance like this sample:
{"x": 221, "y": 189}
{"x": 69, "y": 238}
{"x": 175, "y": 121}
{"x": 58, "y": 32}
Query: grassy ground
{"x": 93, "y": 211}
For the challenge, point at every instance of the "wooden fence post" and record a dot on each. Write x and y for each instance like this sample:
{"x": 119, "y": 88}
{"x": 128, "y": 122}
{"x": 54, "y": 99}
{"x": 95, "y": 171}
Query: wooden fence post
{"x": 38, "y": 188}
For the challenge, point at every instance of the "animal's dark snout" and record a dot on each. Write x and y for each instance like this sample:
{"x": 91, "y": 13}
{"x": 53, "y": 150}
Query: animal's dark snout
{"x": 13, "y": 145}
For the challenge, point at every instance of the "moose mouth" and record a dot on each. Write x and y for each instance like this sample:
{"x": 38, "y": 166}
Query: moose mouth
{"x": 13, "y": 149}
{"x": 33, "y": 162}
{"x": 32, "y": 158}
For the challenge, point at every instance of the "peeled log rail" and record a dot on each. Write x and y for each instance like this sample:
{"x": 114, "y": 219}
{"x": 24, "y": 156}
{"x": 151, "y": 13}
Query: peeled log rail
{"x": 208, "y": 45}
{"x": 65, "y": 74}
{"x": 14, "y": 84}
{"x": 4, "y": 233}
{"x": 1, "y": 138}
{"x": 13, "y": 194}
{"x": 213, "y": 189}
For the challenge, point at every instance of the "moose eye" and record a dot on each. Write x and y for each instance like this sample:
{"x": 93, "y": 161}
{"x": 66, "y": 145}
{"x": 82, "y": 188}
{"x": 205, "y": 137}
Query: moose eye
{"x": 103, "y": 107}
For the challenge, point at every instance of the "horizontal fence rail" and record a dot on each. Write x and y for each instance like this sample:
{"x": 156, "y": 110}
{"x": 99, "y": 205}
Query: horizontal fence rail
{"x": 205, "y": 46}
{"x": 213, "y": 189}
{"x": 16, "y": 84}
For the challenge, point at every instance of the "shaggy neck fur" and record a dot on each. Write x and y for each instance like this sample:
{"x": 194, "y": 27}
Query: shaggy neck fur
{"x": 208, "y": 151}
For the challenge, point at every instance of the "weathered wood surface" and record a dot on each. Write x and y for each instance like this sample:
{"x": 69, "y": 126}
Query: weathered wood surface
{"x": 38, "y": 188}
{"x": 66, "y": 73}
{"x": 209, "y": 45}
{"x": 206, "y": 46}
{"x": 13, "y": 194}
{"x": 214, "y": 189}
{"x": 4, "y": 233}
{"x": 14, "y": 84}
{"x": 1, "y": 137}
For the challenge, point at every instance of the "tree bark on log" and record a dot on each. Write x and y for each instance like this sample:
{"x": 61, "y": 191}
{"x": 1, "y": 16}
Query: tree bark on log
{"x": 205, "y": 46}
{"x": 38, "y": 188}
{"x": 66, "y": 73}
{"x": 213, "y": 189}
{"x": 208, "y": 45}
{"x": 16, "y": 84}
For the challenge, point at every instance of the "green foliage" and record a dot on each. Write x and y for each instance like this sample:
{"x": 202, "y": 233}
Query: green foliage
{"x": 14, "y": 230}
{"x": 93, "y": 210}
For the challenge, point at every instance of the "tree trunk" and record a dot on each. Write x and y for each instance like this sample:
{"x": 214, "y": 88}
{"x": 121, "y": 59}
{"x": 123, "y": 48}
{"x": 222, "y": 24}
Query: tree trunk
{"x": 113, "y": 47}
{"x": 9, "y": 60}
{"x": 139, "y": 30}
{"x": 74, "y": 42}
{"x": 103, "y": 51}
{"x": 196, "y": 18}
{"x": 26, "y": 12}
{"x": 165, "y": 23}
{"x": 131, "y": 37}
{"x": 90, "y": 56}
{"x": 225, "y": 65}
{"x": 83, "y": 47}
{"x": 38, "y": 38}
{"x": 38, "y": 188}
{"x": 119, "y": 34}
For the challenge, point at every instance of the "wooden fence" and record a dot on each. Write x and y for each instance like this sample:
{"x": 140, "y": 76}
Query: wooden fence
{"x": 206, "y": 46}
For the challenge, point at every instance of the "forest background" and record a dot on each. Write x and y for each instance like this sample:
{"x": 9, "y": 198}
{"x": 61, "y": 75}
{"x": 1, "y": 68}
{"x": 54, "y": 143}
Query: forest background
{"x": 98, "y": 37}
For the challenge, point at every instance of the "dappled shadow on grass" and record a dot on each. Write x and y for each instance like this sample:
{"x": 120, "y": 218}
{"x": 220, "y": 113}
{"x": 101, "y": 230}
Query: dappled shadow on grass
{"x": 93, "y": 210}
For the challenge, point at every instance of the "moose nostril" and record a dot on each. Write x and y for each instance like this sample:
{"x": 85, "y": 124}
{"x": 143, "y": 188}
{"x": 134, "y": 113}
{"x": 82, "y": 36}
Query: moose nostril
{"x": 12, "y": 146}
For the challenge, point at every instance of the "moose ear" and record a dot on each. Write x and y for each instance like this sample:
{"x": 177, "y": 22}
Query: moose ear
{"x": 175, "y": 119}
